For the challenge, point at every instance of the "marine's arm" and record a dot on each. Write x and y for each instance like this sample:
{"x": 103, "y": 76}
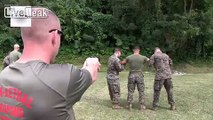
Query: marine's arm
{"x": 124, "y": 61}
{"x": 81, "y": 79}
{"x": 146, "y": 59}
{"x": 151, "y": 60}
{"x": 118, "y": 65}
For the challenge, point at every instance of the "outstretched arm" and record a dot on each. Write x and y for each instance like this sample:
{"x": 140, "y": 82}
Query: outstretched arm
{"x": 151, "y": 60}
{"x": 146, "y": 60}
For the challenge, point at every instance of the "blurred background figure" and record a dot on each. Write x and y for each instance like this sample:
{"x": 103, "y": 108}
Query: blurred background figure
{"x": 15, "y": 54}
{"x": 12, "y": 56}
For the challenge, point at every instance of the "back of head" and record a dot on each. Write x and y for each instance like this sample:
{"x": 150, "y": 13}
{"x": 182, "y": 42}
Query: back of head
{"x": 43, "y": 36}
{"x": 16, "y": 46}
{"x": 40, "y": 27}
{"x": 157, "y": 50}
{"x": 136, "y": 49}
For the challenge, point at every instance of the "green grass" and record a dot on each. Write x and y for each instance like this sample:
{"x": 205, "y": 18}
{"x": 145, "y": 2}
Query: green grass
{"x": 193, "y": 95}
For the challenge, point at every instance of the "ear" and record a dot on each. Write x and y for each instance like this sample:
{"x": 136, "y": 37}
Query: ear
{"x": 53, "y": 39}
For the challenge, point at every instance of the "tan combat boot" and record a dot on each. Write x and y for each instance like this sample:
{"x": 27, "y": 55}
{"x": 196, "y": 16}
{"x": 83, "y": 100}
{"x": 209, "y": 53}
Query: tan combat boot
{"x": 142, "y": 107}
{"x": 173, "y": 108}
{"x": 154, "y": 108}
{"x": 129, "y": 106}
{"x": 116, "y": 106}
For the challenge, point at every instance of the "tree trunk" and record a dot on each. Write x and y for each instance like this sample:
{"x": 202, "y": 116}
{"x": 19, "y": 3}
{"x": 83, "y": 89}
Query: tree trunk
{"x": 158, "y": 8}
{"x": 203, "y": 49}
{"x": 191, "y": 5}
{"x": 185, "y": 5}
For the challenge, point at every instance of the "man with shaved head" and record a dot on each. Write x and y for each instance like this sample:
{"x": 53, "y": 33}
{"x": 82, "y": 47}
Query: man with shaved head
{"x": 12, "y": 56}
{"x": 15, "y": 54}
{"x": 34, "y": 89}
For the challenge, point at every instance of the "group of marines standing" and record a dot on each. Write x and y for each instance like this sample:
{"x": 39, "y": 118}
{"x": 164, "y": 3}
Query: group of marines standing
{"x": 162, "y": 64}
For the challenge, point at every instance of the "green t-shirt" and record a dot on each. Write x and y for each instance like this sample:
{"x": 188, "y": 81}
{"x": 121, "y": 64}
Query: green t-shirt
{"x": 135, "y": 62}
{"x": 14, "y": 56}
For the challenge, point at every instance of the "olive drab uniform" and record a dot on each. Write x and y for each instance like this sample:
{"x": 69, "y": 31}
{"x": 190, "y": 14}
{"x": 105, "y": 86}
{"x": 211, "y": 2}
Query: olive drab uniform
{"x": 136, "y": 77}
{"x": 162, "y": 64}
{"x": 14, "y": 56}
{"x": 10, "y": 58}
{"x": 114, "y": 67}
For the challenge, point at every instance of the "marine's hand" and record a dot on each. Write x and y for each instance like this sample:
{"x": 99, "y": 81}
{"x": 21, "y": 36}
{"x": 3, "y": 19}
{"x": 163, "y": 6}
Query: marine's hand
{"x": 93, "y": 66}
{"x": 123, "y": 62}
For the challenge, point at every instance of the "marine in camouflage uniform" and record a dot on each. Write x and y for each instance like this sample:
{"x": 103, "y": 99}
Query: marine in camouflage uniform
{"x": 162, "y": 64}
{"x": 135, "y": 78}
{"x": 6, "y": 62}
{"x": 14, "y": 55}
{"x": 114, "y": 67}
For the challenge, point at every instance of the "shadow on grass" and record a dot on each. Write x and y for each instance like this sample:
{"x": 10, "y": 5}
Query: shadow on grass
{"x": 94, "y": 100}
{"x": 104, "y": 102}
{"x": 162, "y": 107}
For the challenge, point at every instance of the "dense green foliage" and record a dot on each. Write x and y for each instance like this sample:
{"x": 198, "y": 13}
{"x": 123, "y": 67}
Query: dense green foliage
{"x": 182, "y": 28}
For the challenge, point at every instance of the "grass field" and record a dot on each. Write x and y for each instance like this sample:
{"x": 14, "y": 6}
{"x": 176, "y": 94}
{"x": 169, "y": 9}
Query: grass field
{"x": 193, "y": 95}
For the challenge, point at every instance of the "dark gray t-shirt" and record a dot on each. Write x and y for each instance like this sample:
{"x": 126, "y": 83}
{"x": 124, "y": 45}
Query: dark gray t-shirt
{"x": 40, "y": 91}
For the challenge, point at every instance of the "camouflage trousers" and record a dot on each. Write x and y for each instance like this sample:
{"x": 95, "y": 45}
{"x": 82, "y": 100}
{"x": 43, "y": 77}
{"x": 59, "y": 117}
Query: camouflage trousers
{"x": 114, "y": 90}
{"x": 158, "y": 84}
{"x": 136, "y": 79}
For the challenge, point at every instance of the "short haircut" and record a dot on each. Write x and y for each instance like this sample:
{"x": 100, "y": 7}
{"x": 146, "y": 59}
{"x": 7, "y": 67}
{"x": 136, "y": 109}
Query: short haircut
{"x": 157, "y": 48}
{"x": 16, "y": 46}
{"x": 117, "y": 50}
{"x": 136, "y": 47}
{"x": 40, "y": 27}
